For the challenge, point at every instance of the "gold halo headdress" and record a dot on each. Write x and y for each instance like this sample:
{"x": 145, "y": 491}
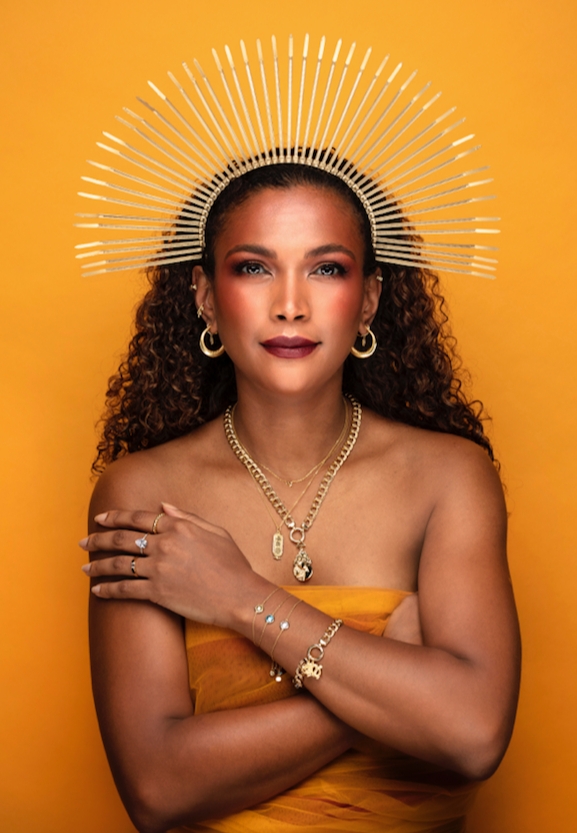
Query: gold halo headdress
{"x": 355, "y": 125}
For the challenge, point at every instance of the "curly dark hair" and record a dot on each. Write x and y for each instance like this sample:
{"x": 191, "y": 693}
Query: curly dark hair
{"x": 165, "y": 387}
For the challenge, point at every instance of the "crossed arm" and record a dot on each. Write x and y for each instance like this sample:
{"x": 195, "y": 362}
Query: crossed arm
{"x": 450, "y": 701}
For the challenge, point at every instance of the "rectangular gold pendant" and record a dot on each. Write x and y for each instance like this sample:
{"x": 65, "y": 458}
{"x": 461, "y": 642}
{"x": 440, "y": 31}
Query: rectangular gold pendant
{"x": 277, "y": 545}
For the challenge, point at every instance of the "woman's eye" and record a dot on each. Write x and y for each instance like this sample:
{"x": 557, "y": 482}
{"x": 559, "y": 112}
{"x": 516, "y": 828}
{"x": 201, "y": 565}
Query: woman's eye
{"x": 330, "y": 270}
{"x": 250, "y": 267}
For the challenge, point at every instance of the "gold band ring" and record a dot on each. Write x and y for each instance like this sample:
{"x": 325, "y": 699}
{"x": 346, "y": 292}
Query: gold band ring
{"x": 133, "y": 567}
{"x": 155, "y": 522}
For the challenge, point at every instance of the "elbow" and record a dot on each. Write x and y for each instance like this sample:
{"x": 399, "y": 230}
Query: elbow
{"x": 146, "y": 814}
{"x": 150, "y": 807}
{"x": 480, "y": 752}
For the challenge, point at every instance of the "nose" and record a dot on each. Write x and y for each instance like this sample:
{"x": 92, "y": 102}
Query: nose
{"x": 290, "y": 300}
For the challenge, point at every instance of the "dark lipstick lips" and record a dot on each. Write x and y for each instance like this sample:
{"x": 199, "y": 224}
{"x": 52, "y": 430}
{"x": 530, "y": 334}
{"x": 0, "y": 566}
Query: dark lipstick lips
{"x": 289, "y": 347}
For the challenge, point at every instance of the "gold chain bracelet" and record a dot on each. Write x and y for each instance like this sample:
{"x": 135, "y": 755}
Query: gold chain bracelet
{"x": 309, "y": 666}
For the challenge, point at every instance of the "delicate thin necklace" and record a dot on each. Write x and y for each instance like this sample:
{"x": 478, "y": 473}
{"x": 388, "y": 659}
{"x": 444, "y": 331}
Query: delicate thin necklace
{"x": 309, "y": 473}
{"x": 302, "y": 565}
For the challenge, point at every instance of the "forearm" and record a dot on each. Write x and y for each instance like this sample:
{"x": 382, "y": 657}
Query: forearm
{"x": 216, "y": 764}
{"x": 424, "y": 701}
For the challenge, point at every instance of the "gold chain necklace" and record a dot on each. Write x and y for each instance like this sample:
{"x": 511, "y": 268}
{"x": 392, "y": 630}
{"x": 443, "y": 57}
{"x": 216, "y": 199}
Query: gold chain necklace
{"x": 302, "y": 565}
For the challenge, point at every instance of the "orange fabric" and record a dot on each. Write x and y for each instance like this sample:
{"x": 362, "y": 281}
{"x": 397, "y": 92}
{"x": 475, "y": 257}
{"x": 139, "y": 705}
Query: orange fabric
{"x": 374, "y": 789}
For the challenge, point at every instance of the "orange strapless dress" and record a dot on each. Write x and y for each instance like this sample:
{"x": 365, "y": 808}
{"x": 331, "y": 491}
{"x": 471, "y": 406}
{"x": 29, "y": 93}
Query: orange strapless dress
{"x": 372, "y": 790}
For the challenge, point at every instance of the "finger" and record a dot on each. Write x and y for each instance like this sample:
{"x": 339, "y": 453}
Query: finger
{"x": 118, "y": 540}
{"x": 175, "y": 512}
{"x": 119, "y": 565}
{"x": 138, "y": 519}
{"x": 140, "y": 590}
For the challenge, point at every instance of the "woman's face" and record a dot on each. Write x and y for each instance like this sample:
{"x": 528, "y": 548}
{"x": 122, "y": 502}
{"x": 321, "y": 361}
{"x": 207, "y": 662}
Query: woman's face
{"x": 289, "y": 295}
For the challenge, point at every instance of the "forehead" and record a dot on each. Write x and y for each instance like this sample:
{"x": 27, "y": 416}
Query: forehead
{"x": 303, "y": 216}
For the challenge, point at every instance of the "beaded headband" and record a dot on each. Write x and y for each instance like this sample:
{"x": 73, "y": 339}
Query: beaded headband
{"x": 356, "y": 127}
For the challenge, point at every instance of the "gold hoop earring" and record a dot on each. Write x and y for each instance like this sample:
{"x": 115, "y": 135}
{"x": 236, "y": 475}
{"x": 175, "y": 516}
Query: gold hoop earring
{"x": 364, "y": 354}
{"x": 212, "y": 354}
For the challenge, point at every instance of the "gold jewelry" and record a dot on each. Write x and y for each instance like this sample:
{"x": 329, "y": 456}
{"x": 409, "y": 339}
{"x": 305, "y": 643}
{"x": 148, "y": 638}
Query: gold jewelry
{"x": 133, "y": 568}
{"x": 364, "y": 354}
{"x": 155, "y": 523}
{"x": 212, "y": 354}
{"x": 314, "y": 469}
{"x": 386, "y": 144}
{"x": 199, "y": 311}
{"x": 309, "y": 665}
{"x": 142, "y": 543}
{"x": 278, "y": 538}
{"x": 302, "y": 565}
{"x": 270, "y": 618}
{"x": 258, "y": 609}
{"x": 276, "y": 670}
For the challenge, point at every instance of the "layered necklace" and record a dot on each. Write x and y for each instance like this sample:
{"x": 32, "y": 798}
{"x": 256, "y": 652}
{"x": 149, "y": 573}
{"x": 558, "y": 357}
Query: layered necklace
{"x": 302, "y": 564}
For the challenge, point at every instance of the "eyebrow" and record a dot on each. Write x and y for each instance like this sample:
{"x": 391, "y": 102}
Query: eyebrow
{"x": 254, "y": 250}
{"x": 328, "y": 248}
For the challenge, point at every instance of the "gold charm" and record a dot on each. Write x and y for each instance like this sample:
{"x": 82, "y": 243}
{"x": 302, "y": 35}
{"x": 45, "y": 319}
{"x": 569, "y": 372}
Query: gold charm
{"x": 310, "y": 668}
{"x": 302, "y": 566}
{"x": 277, "y": 545}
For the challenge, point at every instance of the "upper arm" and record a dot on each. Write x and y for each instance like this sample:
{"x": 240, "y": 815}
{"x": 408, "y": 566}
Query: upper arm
{"x": 138, "y": 657}
{"x": 465, "y": 595}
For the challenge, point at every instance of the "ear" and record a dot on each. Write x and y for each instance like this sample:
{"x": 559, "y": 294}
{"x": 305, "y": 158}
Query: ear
{"x": 204, "y": 297}
{"x": 372, "y": 294}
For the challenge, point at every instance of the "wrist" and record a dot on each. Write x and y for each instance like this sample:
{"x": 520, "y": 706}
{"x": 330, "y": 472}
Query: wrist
{"x": 256, "y": 593}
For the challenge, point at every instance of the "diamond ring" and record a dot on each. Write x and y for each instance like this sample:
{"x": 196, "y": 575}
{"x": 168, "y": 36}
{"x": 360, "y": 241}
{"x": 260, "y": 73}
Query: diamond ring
{"x": 142, "y": 543}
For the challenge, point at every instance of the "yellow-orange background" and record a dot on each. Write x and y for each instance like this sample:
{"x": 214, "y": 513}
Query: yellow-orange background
{"x": 67, "y": 69}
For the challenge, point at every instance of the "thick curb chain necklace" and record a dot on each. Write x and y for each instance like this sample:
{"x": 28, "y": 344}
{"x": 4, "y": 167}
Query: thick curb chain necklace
{"x": 302, "y": 565}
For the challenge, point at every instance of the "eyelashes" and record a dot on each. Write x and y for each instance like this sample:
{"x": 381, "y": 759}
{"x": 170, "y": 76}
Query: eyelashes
{"x": 330, "y": 269}
{"x": 249, "y": 267}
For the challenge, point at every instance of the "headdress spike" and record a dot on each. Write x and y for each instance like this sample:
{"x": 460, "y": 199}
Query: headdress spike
{"x": 278, "y": 95}
{"x": 312, "y": 101}
{"x": 232, "y": 103}
{"x": 254, "y": 100}
{"x": 273, "y": 147}
{"x": 253, "y": 153}
{"x": 301, "y": 96}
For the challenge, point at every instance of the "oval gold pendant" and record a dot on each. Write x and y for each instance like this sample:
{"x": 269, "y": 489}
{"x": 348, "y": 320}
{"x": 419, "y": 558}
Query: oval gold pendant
{"x": 302, "y": 566}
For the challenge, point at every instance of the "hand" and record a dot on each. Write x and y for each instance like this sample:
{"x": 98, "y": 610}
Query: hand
{"x": 405, "y": 623}
{"x": 190, "y": 566}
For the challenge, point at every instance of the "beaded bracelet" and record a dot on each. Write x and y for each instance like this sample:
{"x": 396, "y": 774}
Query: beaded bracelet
{"x": 309, "y": 666}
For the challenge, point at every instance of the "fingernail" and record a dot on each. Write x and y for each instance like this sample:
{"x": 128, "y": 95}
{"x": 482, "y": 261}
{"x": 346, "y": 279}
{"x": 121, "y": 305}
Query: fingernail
{"x": 169, "y": 505}
{"x": 101, "y": 518}
{"x": 85, "y": 568}
{"x": 83, "y": 543}
{"x": 96, "y": 589}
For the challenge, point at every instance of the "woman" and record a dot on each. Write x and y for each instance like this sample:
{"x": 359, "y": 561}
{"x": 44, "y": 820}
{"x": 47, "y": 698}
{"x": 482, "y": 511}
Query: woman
{"x": 289, "y": 282}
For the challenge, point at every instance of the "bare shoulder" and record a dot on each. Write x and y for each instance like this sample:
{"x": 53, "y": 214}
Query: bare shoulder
{"x": 143, "y": 479}
{"x": 444, "y": 464}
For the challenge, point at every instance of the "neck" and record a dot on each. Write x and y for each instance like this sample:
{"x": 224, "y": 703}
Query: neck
{"x": 289, "y": 434}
